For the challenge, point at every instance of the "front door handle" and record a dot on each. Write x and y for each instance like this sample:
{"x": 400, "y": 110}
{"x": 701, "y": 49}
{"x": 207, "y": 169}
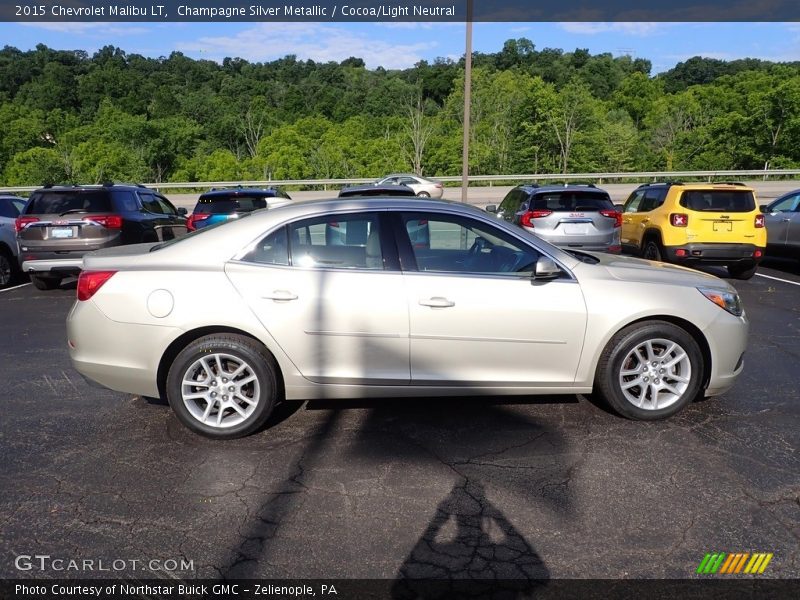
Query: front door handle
{"x": 280, "y": 296}
{"x": 786, "y": 220}
{"x": 437, "y": 302}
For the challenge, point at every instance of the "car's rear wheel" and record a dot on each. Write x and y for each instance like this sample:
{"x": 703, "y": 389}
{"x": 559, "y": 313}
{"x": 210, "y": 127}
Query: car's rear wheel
{"x": 739, "y": 272}
{"x": 424, "y": 195}
{"x": 223, "y": 386}
{"x": 45, "y": 282}
{"x": 652, "y": 250}
{"x": 650, "y": 370}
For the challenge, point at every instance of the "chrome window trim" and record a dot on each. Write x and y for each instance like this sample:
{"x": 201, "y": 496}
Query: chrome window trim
{"x": 394, "y": 206}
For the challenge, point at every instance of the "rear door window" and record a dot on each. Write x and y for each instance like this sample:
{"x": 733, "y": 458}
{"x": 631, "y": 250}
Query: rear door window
{"x": 718, "y": 200}
{"x": 341, "y": 242}
{"x": 64, "y": 202}
{"x": 653, "y": 198}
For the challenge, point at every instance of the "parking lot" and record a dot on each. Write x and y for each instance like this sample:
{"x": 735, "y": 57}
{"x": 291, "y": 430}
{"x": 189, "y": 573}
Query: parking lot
{"x": 533, "y": 487}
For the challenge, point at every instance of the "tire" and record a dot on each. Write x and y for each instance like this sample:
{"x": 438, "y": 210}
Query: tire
{"x": 9, "y": 268}
{"x": 423, "y": 195}
{"x": 43, "y": 282}
{"x": 738, "y": 272}
{"x": 652, "y": 251}
{"x": 621, "y": 365}
{"x": 210, "y": 410}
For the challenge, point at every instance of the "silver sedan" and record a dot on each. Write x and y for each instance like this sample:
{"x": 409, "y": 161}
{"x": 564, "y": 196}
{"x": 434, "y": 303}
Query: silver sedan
{"x": 424, "y": 188}
{"x": 394, "y": 297}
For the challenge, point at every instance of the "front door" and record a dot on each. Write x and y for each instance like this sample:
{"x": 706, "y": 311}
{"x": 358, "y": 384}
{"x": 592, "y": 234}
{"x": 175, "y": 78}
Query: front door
{"x": 476, "y": 315}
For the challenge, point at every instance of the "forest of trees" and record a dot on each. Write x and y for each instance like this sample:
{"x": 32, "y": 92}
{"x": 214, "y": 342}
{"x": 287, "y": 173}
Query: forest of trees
{"x": 67, "y": 117}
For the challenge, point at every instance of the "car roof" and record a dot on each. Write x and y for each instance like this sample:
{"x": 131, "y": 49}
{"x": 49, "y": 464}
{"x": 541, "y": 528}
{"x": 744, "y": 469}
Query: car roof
{"x": 239, "y": 191}
{"x": 92, "y": 187}
{"x": 376, "y": 190}
{"x": 572, "y": 187}
{"x": 720, "y": 185}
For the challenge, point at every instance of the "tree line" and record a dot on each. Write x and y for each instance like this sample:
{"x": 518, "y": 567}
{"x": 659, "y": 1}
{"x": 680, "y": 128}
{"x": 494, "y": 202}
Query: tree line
{"x": 66, "y": 116}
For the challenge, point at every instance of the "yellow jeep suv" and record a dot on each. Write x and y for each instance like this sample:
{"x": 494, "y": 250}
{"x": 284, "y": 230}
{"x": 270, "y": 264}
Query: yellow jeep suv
{"x": 696, "y": 223}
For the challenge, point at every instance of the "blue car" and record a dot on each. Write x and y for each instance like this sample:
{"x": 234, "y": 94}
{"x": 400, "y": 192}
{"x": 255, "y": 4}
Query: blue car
{"x": 221, "y": 205}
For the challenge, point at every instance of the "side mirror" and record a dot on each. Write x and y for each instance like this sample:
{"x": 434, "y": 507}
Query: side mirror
{"x": 182, "y": 211}
{"x": 765, "y": 209}
{"x": 546, "y": 268}
{"x": 491, "y": 208}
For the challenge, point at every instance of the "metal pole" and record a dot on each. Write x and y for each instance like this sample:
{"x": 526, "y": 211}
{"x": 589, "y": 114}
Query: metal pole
{"x": 467, "y": 102}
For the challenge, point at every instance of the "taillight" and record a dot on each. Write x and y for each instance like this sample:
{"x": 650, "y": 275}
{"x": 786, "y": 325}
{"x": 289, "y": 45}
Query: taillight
{"x": 21, "y": 223}
{"x": 191, "y": 222}
{"x": 759, "y": 221}
{"x": 679, "y": 220}
{"x": 525, "y": 219}
{"x": 613, "y": 214}
{"x": 91, "y": 281}
{"x": 107, "y": 221}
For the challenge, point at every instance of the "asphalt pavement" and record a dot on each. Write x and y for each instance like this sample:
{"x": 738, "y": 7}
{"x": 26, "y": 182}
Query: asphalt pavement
{"x": 534, "y": 487}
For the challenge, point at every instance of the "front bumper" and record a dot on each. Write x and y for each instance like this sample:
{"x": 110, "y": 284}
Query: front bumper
{"x": 719, "y": 254}
{"x": 727, "y": 340}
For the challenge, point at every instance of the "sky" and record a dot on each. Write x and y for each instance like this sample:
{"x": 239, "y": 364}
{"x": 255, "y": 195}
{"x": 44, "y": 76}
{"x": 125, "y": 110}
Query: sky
{"x": 400, "y": 45}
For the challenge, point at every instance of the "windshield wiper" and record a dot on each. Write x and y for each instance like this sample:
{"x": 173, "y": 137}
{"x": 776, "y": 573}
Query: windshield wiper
{"x": 73, "y": 210}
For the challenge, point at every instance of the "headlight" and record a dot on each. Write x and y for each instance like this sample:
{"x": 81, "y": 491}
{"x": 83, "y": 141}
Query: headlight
{"x": 726, "y": 300}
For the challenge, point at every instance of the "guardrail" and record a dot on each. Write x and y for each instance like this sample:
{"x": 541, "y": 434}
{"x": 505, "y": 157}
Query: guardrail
{"x": 599, "y": 177}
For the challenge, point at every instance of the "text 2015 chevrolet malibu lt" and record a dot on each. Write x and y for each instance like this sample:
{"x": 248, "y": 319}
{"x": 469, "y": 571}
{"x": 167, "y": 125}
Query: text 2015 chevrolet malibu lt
{"x": 393, "y": 297}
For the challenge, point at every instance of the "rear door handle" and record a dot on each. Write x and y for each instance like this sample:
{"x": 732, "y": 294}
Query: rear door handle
{"x": 437, "y": 302}
{"x": 280, "y": 296}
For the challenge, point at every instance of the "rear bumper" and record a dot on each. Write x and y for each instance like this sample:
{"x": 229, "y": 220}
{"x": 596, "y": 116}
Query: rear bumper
{"x": 60, "y": 266}
{"x": 720, "y": 254}
{"x": 606, "y": 243}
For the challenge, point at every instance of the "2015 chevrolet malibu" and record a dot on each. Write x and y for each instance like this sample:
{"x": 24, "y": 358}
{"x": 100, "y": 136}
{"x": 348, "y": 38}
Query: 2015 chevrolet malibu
{"x": 340, "y": 299}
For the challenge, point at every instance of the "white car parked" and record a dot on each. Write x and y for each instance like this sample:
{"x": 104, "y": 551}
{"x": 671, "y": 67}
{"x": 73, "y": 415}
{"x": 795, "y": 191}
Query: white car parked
{"x": 333, "y": 299}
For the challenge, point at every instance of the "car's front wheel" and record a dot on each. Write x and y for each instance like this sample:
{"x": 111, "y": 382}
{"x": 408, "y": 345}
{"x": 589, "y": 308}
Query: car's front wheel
{"x": 650, "y": 370}
{"x": 223, "y": 386}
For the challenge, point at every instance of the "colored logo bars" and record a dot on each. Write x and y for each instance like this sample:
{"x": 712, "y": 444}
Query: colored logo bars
{"x": 731, "y": 564}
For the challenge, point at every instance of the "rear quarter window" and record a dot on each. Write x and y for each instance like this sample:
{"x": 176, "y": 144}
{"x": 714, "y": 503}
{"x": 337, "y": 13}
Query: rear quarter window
{"x": 718, "y": 200}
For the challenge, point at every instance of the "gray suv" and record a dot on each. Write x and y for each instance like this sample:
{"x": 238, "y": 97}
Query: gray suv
{"x": 579, "y": 216}
{"x": 10, "y": 208}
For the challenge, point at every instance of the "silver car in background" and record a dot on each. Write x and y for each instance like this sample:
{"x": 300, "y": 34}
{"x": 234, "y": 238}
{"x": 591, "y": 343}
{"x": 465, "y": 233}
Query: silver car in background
{"x": 424, "y": 188}
{"x": 335, "y": 299}
{"x": 573, "y": 215}
{"x": 782, "y": 218}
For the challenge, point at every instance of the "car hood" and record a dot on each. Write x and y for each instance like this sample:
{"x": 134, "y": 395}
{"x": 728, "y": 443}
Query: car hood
{"x": 627, "y": 268}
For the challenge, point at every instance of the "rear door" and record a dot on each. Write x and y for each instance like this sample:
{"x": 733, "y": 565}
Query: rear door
{"x": 720, "y": 215}
{"x": 779, "y": 218}
{"x": 336, "y": 304}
